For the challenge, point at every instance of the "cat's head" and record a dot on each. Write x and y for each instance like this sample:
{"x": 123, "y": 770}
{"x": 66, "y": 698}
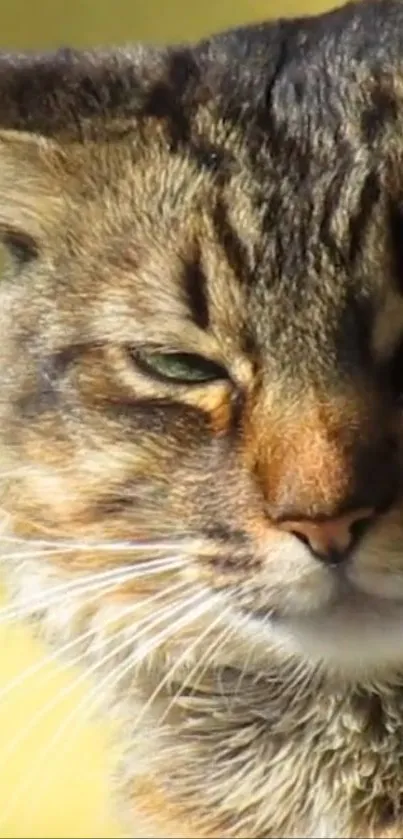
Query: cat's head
{"x": 201, "y": 319}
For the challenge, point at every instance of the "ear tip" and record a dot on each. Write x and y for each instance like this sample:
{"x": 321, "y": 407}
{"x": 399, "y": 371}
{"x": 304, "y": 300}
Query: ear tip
{"x": 52, "y": 93}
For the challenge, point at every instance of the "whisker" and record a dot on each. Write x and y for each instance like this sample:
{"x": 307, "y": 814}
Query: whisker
{"x": 242, "y": 674}
{"x": 168, "y": 676}
{"x": 106, "y": 545}
{"x": 116, "y": 674}
{"x": 91, "y": 582}
{"x": 47, "y": 551}
{"x": 214, "y": 647}
{"x": 66, "y": 691}
{"x": 57, "y": 655}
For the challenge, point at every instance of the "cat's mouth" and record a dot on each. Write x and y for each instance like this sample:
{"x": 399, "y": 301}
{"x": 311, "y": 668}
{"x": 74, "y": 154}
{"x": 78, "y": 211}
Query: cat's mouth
{"x": 371, "y": 595}
{"x": 342, "y": 590}
{"x": 359, "y": 628}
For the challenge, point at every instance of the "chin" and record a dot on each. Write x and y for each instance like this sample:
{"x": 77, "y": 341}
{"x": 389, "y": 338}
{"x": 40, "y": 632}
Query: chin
{"x": 356, "y": 636}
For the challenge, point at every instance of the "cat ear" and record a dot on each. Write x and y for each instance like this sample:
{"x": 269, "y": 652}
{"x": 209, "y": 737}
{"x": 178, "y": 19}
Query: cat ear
{"x": 71, "y": 94}
{"x": 49, "y": 103}
{"x": 52, "y": 102}
{"x": 31, "y": 173}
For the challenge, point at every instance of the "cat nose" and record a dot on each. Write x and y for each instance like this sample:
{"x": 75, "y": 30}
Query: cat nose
{"x": 330, "y": 540}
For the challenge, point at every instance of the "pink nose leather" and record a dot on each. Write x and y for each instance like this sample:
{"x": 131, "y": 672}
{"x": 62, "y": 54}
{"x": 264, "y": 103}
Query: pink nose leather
{"x": 329, "y": 536}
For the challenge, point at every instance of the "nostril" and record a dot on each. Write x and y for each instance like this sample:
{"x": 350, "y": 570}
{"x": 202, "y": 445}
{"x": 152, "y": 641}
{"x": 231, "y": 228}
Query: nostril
{"x": 301, "y": 536}
{"x": 332, "y": 539}
{"x": 358, "y": 529}
{"x": 328, "y": 554}
{"x": 333, "y": 558}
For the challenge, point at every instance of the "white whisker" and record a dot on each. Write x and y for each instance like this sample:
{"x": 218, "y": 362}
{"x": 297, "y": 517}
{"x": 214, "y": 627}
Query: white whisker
{"x": 83, "y": 677}
{"x": 60, "y": 551}
{"x": 214, "y": 647}
{"x": 57, "y": 655}
{"x": 105, "y": 546}
{"x": 116, "y": 674}
{"x": 94, "y": 582}
{"x": 170, "y": 673}
{"x": 242, "y": 673}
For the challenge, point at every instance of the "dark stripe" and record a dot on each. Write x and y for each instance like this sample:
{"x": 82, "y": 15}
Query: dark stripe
{"x": 175, "y": 100}
{"x": 44, "y": 394}
{"x": 117, "y": 503}
{"x": 353, "y": 334}
{"x": 161, "y": 103}
{"x": 157, "y": 416}
{"x": 382, "y": 112}
{"x": 195, "y": 285}
{"x": 172, "y": 98}
{"x": 136, "y": 494}
{"x": 395, "y": 214}
{"x": 234, "y": 249}
{"x": 358, "y": 226}
{"x": 327, "y": 237}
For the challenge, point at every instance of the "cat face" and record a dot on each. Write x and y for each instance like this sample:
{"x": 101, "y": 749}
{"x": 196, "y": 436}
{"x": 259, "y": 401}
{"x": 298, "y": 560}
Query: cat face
{"x": 201, "y": 320}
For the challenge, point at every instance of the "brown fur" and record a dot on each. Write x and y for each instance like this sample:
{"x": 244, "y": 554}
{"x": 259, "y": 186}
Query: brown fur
{"x": 240, "y": 201}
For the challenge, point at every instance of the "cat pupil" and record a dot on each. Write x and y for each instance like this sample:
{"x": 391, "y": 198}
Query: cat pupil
{"x": 180, "y": 366}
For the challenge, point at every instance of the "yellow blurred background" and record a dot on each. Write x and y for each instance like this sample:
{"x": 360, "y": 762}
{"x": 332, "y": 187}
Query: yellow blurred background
{"x": 53, "y": 765}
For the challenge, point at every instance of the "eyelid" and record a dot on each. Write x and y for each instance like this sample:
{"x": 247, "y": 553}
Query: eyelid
{"x": 21, "y": 245}
{"x": 140, "y": 357}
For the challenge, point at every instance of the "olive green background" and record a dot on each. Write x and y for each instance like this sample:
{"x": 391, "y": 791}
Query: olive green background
{"x": 51, "y": 23}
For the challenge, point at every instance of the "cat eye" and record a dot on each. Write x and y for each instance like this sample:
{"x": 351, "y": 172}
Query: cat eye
{"x": 21, "y": 246}
{"x": 182, "y": 368}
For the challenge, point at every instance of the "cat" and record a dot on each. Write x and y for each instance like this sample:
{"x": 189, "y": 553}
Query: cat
{"x": 201, "y": 431}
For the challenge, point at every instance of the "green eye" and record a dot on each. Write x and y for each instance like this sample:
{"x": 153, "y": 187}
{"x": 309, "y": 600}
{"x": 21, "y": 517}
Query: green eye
{"x": 179, "y": 367}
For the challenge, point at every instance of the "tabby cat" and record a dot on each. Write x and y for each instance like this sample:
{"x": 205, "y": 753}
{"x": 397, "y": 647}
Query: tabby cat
{"x": 201, "y": 419}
